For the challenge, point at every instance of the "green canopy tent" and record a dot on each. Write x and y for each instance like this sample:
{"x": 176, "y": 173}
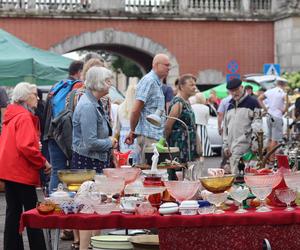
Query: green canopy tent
{"x": 222, "y": 91}
{"x": 21, "y": 62}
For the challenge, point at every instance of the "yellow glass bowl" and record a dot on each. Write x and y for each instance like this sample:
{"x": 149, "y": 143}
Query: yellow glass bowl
{"x": 217, "y": 184}
{"x": 76, "y": 176}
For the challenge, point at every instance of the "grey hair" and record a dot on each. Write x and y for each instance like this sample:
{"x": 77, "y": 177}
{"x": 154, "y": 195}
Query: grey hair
{"x": 96, "y": 77}
{"x": 22, "y": 91}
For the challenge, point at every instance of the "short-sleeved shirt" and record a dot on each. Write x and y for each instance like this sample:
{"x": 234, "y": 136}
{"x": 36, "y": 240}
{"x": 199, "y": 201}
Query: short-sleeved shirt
{"x": 224, "y": 104}
{"x": 149, "y": 91}
{"x": 168, "y": 92}
{"x": 276, "y": 99}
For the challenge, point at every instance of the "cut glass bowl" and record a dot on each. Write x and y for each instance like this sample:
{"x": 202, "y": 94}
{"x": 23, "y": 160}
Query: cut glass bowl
{"x": 182, "y": 190}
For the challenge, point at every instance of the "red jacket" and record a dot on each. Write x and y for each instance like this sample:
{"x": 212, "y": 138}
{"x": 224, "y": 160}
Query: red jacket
{"x": 20, "y": 157}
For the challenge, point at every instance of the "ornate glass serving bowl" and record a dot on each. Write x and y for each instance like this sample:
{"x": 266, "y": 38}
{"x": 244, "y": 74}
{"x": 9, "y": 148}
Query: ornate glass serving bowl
{"x": 262, "y": 192}
{"x": 110, "y": 185}
{"x": 262, "y": 180}
{"x": 73, "y": 178}
{"x": 292, "y": 180}
{"x": 128, "y": 174}
{"x": 182, "y": 190}
{"x": 217, "y": 184}
{"x": 239, "y": 194}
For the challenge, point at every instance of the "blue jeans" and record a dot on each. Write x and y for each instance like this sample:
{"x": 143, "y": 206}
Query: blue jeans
{"x": 58, "y": 161}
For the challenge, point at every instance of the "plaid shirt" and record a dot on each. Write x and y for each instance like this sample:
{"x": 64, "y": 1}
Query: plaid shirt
{"x": 149, "y": 91}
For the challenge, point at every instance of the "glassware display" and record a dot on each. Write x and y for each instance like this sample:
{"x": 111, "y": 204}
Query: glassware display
{"x": 239, "y": 194}
{"x": 128, "y": 174}
{"x": 217, "y": 199}
{"x": 262, "y": 192}
{"x": 286, "y": 195}
{"x": 182, "y": 190}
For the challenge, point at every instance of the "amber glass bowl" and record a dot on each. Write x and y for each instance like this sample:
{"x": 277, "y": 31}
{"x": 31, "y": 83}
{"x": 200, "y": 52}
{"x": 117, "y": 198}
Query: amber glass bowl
{"x": 76, "y": 176}
{"x": 216, "y": 184}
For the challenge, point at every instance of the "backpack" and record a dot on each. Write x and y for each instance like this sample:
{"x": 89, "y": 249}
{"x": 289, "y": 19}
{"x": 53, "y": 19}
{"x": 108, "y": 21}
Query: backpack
{"x": 62, "y": 127}
{"x": 59, "y": 93}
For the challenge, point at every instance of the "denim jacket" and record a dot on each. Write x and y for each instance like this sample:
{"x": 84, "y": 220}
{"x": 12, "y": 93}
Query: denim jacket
{"x": 90, "y": 129}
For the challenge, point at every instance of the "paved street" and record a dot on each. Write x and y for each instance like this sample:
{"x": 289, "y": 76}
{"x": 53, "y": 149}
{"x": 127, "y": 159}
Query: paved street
{"x": 65, "y": 245}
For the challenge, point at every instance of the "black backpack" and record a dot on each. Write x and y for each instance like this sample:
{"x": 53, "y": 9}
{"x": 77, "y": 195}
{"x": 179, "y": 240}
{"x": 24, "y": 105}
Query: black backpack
{"x": 62, "y": 127}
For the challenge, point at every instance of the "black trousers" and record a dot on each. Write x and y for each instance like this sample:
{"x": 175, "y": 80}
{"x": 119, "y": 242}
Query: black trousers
{"x": 18, "y": 197}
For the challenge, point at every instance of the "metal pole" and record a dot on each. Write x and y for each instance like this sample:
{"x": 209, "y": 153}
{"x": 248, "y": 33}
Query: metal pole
{"x": 188, "y": 134}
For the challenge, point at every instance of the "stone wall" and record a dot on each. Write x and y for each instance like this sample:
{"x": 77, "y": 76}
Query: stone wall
{"x": 287, "y": 43}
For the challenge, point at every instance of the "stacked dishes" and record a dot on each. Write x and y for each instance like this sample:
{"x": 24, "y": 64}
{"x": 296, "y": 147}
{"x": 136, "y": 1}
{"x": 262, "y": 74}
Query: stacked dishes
{"x": 110, "y": 242}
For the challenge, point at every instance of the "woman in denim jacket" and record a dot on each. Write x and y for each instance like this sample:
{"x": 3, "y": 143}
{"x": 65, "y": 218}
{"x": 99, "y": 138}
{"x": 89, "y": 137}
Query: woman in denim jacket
{"x": 92, "y": 138}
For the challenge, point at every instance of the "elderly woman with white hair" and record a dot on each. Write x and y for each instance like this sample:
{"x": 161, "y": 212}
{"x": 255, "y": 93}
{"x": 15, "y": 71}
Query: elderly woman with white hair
{"x": 201, "y": 112}
{"x": 92, "y": 140}
{"x": 20, "y": 163}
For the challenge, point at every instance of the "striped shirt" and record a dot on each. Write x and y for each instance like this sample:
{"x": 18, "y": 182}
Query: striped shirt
{"x": 149, "y": 91}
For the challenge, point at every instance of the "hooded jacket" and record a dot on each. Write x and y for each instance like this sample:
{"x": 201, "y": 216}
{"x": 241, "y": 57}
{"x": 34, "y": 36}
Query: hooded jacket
{"x": 20, "y": 157}
{"x": 240, "y": 123}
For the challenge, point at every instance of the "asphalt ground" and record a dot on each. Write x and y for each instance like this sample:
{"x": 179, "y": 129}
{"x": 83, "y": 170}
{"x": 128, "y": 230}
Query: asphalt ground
{"x": 211, "y": 162}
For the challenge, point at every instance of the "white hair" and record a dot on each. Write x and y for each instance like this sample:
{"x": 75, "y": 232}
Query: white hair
{"x": 96, "y": 77}
{"x": 22, "y": 91}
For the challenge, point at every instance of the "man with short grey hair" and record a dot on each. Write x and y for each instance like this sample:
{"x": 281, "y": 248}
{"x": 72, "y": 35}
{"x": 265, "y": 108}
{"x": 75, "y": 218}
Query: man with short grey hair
{"x": 149, "y": 98}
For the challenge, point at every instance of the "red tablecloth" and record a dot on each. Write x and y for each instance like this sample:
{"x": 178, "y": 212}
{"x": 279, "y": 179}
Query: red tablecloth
{"x": 199, "y": 231}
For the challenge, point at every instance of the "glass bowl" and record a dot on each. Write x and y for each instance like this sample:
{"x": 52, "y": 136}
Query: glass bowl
{"x": 286, "y": 195}
{"x": 129, "y": 174}
{"x": 217, "y": 184}
{"x": 182, "y": 190}
{"x": 110, "y": 185}
{"x": 261, "y": 193}
{"x": 75, "y": 176}
{"x": 253, "y": 180}
{"x": 292, "y": 180}
{"x": 104, "y": 208}
{"x": 217, "y": 199}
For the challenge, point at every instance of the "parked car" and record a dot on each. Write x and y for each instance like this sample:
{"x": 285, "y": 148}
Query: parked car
{"x": 265, "y": 81}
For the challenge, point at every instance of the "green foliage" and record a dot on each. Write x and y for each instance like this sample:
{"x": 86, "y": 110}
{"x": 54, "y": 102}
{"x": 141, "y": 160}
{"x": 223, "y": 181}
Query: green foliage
{"x": 293, "y": 79}
{"x": 128, "y": 67}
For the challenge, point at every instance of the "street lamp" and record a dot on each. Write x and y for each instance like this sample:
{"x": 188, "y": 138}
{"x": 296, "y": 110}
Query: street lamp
{"x": 156, "y": 120}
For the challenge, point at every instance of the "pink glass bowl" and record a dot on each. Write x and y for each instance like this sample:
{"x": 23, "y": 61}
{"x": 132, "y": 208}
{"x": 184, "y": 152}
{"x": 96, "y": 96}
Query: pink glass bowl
{"x": 129, "y": 174}
{"x": 262, "y": 180}
{"x": 182, "y": 190}
{"x": 292, "y": 180}
{"x": 110, "y": 185}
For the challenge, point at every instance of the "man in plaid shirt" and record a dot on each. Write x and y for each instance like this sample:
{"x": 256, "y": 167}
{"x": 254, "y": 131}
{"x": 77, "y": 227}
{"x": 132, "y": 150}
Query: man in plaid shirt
{"x": 149, "y": 98}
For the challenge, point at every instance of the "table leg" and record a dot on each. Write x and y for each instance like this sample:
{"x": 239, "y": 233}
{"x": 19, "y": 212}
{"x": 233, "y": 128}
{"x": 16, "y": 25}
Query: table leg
{"x": 56, "y": 239}
{"x": 47, "y": 237}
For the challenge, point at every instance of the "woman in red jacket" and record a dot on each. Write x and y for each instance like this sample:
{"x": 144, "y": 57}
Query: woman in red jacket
{"x": 20, "y": 163}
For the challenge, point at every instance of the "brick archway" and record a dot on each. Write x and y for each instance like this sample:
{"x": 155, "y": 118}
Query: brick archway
{"x": 138, "y": 48}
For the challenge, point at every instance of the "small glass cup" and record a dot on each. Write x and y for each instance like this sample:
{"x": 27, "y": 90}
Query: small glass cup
{"x": 239, "y": 194}
{"x": 217, "y": 199}
{"x": 262, "y": 193}
{"x": 286, "y": 195}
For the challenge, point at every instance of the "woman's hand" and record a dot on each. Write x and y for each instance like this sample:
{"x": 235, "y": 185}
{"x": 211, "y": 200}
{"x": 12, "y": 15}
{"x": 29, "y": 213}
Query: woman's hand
{"x": 47, "y": 169}
{"x": 114, "y": 142}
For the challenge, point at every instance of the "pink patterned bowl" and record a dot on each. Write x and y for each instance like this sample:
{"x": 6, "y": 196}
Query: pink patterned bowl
{"x": 292, "y": 180}
{"x": 182, "y": 190}
{"x": 129, "y": 174}
{"x": 263, "y": 180}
